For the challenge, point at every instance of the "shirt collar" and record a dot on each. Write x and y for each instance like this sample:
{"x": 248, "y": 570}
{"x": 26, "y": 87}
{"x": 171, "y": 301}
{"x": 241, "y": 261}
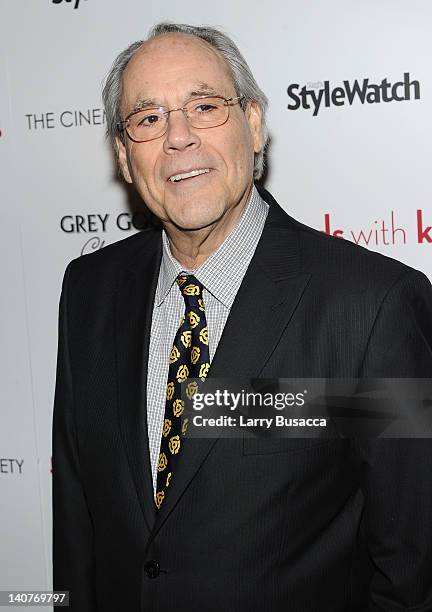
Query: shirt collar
{"x": 222, "y": 273}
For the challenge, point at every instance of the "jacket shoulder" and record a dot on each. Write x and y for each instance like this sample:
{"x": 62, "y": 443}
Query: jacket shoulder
{"x": 118, "y": 254}
{"x": 339, "y": 260}
{"x": 99, "y": 271}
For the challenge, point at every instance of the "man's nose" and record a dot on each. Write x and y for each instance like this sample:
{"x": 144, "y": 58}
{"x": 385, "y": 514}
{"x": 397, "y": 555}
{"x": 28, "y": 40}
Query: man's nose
{"x": 179, "y": 134}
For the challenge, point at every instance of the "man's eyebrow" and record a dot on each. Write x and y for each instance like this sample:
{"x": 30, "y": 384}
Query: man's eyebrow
{"x": 145, "y": 102}
{"x": 201, "y": 89}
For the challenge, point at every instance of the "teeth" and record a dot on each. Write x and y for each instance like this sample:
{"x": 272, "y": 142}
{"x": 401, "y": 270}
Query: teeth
{"x": 179, "y": 177}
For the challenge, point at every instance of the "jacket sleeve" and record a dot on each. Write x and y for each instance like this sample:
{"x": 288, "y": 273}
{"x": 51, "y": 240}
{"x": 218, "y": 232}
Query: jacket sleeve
{"x": 397, "y": 473}
{"x": 73, "y": 558}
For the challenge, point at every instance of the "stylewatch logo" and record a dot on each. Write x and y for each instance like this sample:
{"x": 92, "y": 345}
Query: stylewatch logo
{"x": 69, "y": 1}
{"x": 315, "y": 96}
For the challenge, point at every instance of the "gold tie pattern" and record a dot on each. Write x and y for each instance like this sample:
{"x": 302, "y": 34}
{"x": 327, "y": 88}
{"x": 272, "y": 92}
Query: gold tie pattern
{"x": 189, "y": 358}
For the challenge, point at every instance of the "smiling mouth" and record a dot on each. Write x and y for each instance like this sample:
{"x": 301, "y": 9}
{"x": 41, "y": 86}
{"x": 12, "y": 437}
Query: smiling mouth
{"x": 175, "y": 178}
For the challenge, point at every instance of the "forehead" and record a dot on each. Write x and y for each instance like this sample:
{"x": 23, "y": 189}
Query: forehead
{"x": 171, "y": 66}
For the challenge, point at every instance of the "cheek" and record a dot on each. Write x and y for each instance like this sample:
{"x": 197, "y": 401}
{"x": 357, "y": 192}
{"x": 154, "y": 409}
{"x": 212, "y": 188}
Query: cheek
{"x": 241, "y": 156}
{"x": 243, "y": 145}
{"x": 143, "y": 168}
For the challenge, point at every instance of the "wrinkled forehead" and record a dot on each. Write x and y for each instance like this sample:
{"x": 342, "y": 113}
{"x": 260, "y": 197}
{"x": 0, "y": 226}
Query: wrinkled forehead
{"x": 177, "y": 64}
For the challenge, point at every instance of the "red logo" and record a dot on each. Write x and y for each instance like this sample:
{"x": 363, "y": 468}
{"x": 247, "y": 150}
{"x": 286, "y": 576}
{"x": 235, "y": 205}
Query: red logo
{"x": 382, "y": 232}
{"x": 423, "y": 233}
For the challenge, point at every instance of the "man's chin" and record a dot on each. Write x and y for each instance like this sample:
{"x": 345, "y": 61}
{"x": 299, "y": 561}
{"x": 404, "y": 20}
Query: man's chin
{"x": 194, "y": 220}
{"x": 194, "y": 225}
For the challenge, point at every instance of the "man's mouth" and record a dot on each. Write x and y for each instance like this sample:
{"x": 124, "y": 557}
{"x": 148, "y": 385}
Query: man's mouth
{"x": 185, "y": 175}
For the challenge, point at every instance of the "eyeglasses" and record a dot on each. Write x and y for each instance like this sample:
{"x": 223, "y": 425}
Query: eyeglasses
{"x": 150, "y": 123}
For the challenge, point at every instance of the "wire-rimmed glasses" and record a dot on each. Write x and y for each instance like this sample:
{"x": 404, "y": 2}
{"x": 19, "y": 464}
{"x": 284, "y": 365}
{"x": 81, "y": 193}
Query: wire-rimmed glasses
{"x": 148, "y": 123}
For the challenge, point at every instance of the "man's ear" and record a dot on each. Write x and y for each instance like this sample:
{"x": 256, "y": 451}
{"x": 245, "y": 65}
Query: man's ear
{"x": 122, "y": 160}
{"x": 254, "y": 118}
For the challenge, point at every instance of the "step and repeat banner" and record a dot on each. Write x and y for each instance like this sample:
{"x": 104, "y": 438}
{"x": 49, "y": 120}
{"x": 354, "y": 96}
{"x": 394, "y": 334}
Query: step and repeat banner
{"x": 350, "y": 118}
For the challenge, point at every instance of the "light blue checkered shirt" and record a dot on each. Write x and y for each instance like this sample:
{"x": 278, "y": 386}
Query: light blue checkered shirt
{"x": 221, "y": 276}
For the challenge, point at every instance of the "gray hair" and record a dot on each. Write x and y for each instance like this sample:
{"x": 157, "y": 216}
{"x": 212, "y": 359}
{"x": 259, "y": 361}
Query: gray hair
{"x": 243, "y": 80}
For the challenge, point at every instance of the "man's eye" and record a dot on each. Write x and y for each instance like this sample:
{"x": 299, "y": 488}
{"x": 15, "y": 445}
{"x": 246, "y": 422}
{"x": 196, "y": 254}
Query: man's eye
{"x": 205, "y": 108}
{"x": 148, "y": 120}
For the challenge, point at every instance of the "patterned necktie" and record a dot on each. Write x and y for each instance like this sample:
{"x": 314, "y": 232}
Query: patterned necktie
{"x": 189, "y": 358}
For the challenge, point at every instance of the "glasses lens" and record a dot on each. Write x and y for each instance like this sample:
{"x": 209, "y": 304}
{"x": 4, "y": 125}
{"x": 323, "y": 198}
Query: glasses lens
{"x": 150, "y": 123}
{"x": 147, "y": 124}
{"x": 207, "y": 112}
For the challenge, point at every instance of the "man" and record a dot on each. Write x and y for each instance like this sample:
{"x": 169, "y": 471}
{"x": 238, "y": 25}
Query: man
{"x": 148, "y": 519}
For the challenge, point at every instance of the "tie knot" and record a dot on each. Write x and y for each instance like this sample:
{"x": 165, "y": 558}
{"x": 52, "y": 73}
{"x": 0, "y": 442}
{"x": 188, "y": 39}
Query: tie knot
{"x": 190, "y": 286}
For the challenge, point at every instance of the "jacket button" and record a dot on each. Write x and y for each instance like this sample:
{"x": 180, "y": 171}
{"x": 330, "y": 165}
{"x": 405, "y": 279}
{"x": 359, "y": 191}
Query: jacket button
{"x": 152, "y": 569}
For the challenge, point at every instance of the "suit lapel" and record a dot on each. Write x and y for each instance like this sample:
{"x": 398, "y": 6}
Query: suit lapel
{"x": 268, "y": 296}
{"x": 137, "y": 286}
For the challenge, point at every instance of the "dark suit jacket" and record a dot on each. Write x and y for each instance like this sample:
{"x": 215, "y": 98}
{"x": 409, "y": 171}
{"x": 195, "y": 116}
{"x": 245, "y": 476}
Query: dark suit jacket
{"x": 249, "y": 524}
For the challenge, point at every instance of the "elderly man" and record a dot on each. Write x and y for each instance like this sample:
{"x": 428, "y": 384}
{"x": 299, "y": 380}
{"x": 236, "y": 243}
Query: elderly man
{"x": 148, "y": 519}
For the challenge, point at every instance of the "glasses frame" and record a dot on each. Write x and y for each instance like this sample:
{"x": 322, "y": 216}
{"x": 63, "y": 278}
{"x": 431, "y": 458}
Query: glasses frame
{"x": 123, "y": 125}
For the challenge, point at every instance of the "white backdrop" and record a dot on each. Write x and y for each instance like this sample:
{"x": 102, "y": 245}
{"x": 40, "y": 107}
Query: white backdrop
{"x": 362, "y": 169}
